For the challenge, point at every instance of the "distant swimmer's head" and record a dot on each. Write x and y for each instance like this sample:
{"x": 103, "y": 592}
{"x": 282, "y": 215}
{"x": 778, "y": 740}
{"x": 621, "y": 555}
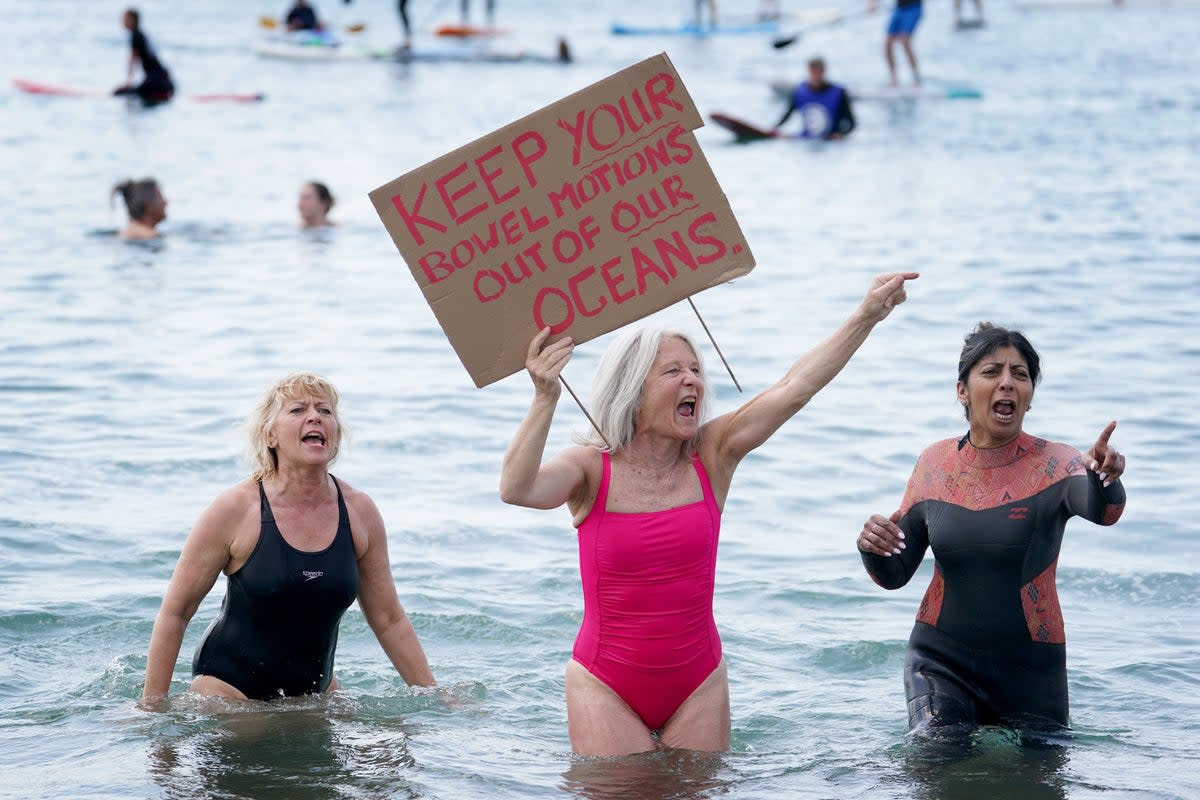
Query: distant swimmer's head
{"x": 314, "y": 204}
{"x": 649, "y": 376}
{"x": 146, "y": 205}
{"x": 298, "y": 419}
{"x": 131, "y": 19}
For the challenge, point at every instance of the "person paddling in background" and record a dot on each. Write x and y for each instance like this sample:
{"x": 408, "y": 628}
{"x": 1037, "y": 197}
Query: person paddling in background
{"x": 824, "y": 107}
{"x": 146, "y": 206}
{"x": 298, "y": 546}
{"x": 902, "y": 26}
{"x": 647, "y": 666}
{"x": 302, "y": 17}
{"x": 156, "y": 86}
{"x": 988, "y": 646}
{"x": 314, "y": 204}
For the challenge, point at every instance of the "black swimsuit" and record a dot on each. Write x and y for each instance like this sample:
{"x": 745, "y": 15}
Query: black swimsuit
{"x": 277, "y": 631}
{"x": 989, "y": 645}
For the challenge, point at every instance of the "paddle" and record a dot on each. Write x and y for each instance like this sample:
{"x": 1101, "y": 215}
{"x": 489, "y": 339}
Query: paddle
{"x": 787, "y": 41}
{"x": 270, "y": 24}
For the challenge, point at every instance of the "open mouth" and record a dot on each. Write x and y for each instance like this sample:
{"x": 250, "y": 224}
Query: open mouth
{"x": 687, "y": 408}
{"x": 313, "y": 438}
{"x": 1005, "y": 410}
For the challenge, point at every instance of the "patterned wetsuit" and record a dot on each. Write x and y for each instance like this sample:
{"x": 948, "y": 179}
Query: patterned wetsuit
{"x": 648, "y": 631}
{"x": 277, "y": 631}
{"x": 988, "y": 645}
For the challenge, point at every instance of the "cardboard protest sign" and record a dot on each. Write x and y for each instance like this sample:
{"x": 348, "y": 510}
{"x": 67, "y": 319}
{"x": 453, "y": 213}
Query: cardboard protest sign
{"x": 591, "y": 213}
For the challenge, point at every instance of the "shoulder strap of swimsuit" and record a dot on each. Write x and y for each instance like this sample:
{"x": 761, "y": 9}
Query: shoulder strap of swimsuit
{"x": 265, "y": 514}
{"x": 705, "y": 484}
{"x": 601, "y": 501}
{"x": 343, "y": 514}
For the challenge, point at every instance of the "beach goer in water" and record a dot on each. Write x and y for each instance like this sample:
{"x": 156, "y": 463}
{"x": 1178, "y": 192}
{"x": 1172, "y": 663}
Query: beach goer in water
{"x": 314, "y": 204}
{"x": 489, "y": 8}
{"x": 647, "y": 666}
{"x": 156, "y": 86}
{"x": 902, "y": 26}
{"x": 988, "y": 646}
{"x": 298, "y": 547}
{"x": 146, "y": 206}
{"x": 959, "y": 22}
{"x": 824, "y": 107}
{"x": 302, "y": 17}
{"x": 402, "y": 10}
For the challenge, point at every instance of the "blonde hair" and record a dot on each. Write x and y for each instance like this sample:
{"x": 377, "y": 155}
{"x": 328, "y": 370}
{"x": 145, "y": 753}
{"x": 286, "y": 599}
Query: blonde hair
{"x": 617, "y": 386}
{"x": 263, "y": 458}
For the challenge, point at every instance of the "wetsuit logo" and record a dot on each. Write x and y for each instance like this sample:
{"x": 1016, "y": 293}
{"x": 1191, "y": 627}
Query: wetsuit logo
{"x": 1018, "y": 512}
{"x": 310, "y": 574}
{"x": 816, "y": 120}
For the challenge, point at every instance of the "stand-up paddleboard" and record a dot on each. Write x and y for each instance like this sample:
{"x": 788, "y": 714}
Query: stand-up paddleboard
{"x": 746, "y": 131}
{"x": 948, "y": 90}
{"x": 55, "y": 90}
{"x": 471, "y": 52}
{"x": 692, "y": 29}
{"x": 285, "y": 49}
{"x": 968, "y": 25}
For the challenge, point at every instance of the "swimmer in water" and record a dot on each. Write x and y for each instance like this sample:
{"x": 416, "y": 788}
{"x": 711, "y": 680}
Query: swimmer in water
{"x": 988, "y": 646}
{"x": 647, "y": 667}
{"x": 314, "y": 204}
{"x": 146, "y": 206}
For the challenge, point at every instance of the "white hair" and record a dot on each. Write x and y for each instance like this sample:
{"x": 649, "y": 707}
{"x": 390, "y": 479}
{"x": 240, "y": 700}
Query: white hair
{"x": 617, "y": 386}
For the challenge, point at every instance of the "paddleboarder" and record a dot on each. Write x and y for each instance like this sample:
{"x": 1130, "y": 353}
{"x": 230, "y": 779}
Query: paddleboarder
{"x": 156, "y": 86}
{"x": 824, "y": 107}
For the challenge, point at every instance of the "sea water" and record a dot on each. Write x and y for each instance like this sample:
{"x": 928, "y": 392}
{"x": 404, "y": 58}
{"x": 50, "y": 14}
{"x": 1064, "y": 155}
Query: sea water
{"x": 1063, "y": 203}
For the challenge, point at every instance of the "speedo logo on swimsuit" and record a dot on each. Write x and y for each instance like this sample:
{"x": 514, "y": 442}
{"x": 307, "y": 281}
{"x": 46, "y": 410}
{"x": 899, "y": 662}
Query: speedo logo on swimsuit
{"x": 310, "y": 574}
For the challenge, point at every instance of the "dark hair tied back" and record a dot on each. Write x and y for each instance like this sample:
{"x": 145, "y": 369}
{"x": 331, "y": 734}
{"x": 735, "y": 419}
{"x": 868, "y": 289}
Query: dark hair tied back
{"x": 986, "y": 339}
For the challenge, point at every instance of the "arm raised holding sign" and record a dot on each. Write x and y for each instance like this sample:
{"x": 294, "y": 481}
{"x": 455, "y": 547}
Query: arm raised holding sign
{"x": 646, "y": 492}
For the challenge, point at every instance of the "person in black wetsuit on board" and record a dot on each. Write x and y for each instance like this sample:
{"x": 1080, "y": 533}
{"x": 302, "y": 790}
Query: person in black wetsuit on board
{"x": 298, "y": 547}
{"x": 824, "y": 107}
{"x": 156, "y": 86}
{"x": 302, "y": 17}
{"x": 988, "y": 646}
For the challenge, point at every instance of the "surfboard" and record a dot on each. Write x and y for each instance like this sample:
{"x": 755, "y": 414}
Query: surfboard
{"x": 57, "y": 90}
{"x": 941, "y": 90}
{"x": 968, "y": 25}
{"x": 692, "y": 29}
{"x": 468, "y": 31}
{"x": 746, "y": 131}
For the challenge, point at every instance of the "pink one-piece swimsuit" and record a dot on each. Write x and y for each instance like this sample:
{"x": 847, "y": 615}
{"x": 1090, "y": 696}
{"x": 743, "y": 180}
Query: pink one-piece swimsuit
{"x": 648, "y": 631}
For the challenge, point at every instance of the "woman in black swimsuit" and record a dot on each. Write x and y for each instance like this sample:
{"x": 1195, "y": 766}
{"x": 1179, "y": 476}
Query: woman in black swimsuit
{"x": 298, "y": 547}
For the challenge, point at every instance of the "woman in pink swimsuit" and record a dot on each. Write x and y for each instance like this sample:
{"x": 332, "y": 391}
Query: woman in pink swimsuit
{"x": 647, "y": 663}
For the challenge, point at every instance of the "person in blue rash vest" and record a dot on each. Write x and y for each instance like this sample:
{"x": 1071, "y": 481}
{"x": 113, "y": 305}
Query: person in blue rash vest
{"x": 824, "y": 107}
{"x": 989, "y": 646}
{"x": 156, "y": 86}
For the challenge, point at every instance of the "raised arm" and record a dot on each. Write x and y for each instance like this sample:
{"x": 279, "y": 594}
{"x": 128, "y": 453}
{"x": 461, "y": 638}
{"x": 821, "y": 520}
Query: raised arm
{"x": 524, "y": 479}
{"x": 1100, "y": 499}
{"x": 205, "y": 554}
{"x": 737, "y": 433}
{"x": 378, "y": 600}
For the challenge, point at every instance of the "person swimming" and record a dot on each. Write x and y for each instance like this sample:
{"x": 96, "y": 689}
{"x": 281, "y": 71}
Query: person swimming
{"x": 146, "y": 205}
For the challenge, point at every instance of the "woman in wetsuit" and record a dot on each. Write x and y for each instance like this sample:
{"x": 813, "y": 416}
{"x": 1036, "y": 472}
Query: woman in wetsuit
{"x": 647, "y": 662}
{"x": 988, "y": 646}
{"x": 298, "y": 547}
{"x": 156, "y": 85}
{"x": 146, "y": 206}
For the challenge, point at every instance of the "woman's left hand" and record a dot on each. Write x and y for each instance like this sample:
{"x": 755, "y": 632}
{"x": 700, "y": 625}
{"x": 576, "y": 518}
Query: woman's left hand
{"x": 1103, "y": 459}
{"x": 886, "y": 292}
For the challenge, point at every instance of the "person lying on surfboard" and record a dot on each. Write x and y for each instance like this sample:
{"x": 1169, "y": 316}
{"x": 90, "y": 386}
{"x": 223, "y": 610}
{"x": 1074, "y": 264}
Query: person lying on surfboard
{"x": 824, "y": 107}
{"x": 302, "y": 17}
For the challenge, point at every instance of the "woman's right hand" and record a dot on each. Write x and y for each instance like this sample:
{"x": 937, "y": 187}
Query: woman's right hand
{"x": 546, "y": 363}
{"x": 881, "y": 535}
